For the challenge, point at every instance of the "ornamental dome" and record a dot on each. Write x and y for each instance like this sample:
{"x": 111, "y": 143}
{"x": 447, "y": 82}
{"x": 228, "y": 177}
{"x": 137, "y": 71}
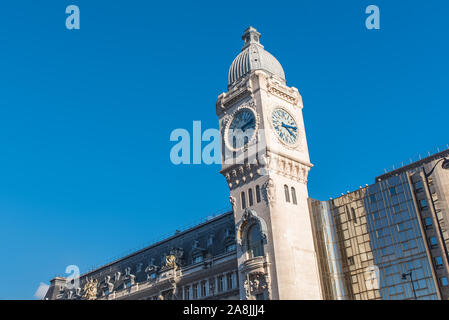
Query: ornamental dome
{"x": 253, "y": 57}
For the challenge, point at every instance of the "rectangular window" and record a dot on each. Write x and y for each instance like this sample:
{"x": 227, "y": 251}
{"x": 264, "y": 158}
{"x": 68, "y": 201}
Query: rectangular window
{"x": 257, "y": 194}
{"x": 187, "y": 293}
{"x": 438, "y": 261}
{"x": 211, "y": 286}
{"x": 353, "y": 215}
{"x": 393, "y": 191}
{"x": 230, "y": 282}
{"x": 380, "y": 233}
{"x": 221, "y": 283}
{"x": 250, "y": 197}
{"x": 243, "y": 200}
{"x": 230, "y": 247}
{"x": 428, "y": 222}
{"x": 294, "y": 196}
{"x": 197, "y": 259}
{"x": 195, "y": 291}
{"x": 444, "y": 282}
{"x": 418, "y": 186}
{"x": 351, "y": 261}
{"x": 203, "y": 289}
{"x": 287, "y": 194}
{"x": 423, "y": 204}
{"x": 433, "y": 242}
{"x": 372, "y": 198}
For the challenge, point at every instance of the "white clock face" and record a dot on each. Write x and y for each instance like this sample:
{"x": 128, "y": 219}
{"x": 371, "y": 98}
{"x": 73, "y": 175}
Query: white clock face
{"x": 285, "y": 126}
{"x": 242, "y": 128}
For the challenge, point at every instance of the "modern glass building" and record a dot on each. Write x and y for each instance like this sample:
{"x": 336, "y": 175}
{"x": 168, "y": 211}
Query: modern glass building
{"x": 387, "y": 241}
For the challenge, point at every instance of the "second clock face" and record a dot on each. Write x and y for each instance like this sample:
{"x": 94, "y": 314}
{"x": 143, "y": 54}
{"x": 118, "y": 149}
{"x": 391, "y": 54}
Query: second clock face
{"x": 285, "y": 126}
{"x": 242, "y": 128}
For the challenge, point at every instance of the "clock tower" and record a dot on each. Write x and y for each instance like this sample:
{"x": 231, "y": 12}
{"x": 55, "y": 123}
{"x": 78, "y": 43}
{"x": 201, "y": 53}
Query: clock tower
{"x": 266, "y": 162}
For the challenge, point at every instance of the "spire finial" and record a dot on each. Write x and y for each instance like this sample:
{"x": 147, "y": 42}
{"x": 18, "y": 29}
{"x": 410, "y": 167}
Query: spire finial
{"x": 250, "y": 36}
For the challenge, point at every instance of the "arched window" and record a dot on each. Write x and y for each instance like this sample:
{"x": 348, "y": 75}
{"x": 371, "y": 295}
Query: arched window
{"x": 255, "y": 241}
{"x": 257, "y": 194}
{"x": 294, "y": 196}
{"x": 243, "y": 200}
{"x": 287, "y": 193}
{"x": 250, "y": 197}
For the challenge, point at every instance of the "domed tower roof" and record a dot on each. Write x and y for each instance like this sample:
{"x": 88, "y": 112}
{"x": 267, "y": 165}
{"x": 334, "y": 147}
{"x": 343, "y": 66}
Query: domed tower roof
{"x": 253, "y": 57}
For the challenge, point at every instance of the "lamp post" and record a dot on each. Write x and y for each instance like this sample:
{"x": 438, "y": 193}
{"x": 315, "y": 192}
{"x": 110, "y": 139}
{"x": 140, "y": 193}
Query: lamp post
{"x": 404, "y": 277}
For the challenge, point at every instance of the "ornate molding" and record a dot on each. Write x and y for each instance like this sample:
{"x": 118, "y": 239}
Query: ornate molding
{"x": 240, "y": 174}
{"x": 249, "y": 218}
{"x": 287, "y": 167}
{"x": 255, "y": 283}
{"x": 90, "y": 289}
{"x": 236, "y": 93}
{"x": 280, "y": 90}
{"x": 269, "y": 192}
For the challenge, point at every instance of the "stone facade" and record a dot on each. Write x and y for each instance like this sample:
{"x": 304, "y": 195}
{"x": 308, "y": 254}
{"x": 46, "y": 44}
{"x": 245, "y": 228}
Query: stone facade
{"x": 199, "y": 263}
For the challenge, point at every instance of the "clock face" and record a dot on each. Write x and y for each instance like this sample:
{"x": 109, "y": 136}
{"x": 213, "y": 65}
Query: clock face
{"x": 241, "y": 129}
{"x": 285, "y": 126}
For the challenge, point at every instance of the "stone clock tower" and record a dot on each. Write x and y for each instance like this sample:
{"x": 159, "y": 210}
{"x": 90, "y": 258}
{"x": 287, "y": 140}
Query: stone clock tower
{"x": 265, "y": 160}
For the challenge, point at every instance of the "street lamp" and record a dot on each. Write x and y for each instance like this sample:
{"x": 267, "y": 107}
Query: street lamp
{"x": 404, "y": 277}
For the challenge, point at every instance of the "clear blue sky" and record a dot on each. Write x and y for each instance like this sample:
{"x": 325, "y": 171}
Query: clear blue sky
{"x": 85, "y": 116}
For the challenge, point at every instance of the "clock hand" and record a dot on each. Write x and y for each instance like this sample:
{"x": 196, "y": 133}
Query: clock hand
{"x": 286, "y": 126}
{"x": 291, "y": 133}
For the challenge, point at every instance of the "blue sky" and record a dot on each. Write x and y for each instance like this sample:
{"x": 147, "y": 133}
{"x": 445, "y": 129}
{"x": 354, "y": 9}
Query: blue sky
{"x": 86, "y": 115}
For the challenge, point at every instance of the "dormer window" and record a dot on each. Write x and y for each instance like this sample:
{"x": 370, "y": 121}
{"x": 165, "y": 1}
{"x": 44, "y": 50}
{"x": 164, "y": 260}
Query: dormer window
{"x": 230, "y": 247}
{"x": 197, "y": 259}
{"x": 210, "y": 240}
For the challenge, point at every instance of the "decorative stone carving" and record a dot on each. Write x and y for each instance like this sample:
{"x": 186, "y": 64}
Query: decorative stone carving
{"x": 269, "y": 192}
{"x": 179, "y": 254}
{"x": 242, "y": 173}
{"x": 290, "y": 95}
{"x": 90, "y": 289}
{"x": 232, "y": 201}
{"x": 107, "y": 285}
{"x": 117, "y": 276}
{"x": 236, "y": 94}
{"x": 128, "y": 276}
{"x": 170, "y": 262}
{"x": 286, "y": 167}
{"x": 70, "y": 294}
{"x": 151, "y": 269}
{"x": 256, "y": 283}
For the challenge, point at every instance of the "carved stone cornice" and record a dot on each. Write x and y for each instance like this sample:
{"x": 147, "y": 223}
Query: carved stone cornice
{"x": 287, "y": 167}
{"x": 234, "y": 95}
{"x": 289, "y": 94}
{"x": 240, "y": 174}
